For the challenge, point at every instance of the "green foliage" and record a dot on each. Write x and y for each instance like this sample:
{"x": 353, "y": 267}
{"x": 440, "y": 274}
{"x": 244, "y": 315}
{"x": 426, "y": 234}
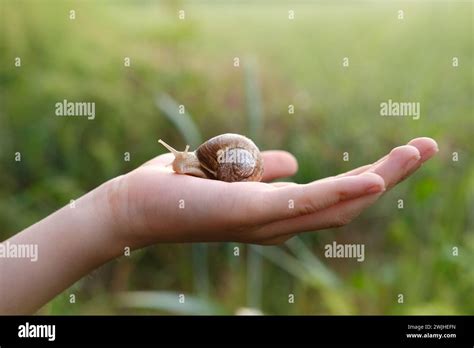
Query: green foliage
{"x": 169, "y": 302}
{"x": 282, "y": 62}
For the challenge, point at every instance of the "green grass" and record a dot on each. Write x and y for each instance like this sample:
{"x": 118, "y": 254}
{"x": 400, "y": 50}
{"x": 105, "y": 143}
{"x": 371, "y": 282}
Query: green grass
{"x": 292, "y": 62}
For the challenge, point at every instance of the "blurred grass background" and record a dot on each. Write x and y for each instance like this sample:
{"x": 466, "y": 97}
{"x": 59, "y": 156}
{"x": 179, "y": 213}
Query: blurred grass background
{"x": 282, "y": 62}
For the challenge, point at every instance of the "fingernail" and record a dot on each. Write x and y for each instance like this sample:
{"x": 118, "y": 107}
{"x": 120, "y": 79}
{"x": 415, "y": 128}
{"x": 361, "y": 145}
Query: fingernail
{"x": 375, "y": 189}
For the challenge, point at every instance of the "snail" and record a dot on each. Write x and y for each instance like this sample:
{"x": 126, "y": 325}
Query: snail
{"x": 226, "y": 157}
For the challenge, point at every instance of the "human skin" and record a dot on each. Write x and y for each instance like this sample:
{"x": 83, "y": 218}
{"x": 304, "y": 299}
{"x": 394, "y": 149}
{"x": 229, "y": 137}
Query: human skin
{"x": 145, "y": 207}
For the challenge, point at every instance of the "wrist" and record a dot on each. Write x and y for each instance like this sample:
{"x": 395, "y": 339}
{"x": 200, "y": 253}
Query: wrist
{"x": 71, "y": 243}
{"x": 110, "y": 212}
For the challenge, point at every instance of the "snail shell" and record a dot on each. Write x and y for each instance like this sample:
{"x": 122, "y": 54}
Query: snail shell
{"x": 226, "y": 157}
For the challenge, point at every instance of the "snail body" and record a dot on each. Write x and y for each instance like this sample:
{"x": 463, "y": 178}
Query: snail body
{"x": 226, "y": 157}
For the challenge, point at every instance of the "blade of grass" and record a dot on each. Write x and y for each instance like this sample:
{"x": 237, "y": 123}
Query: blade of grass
{"x": 255, "y": 123}
{"x": 312, "y": 263}
{"x": 253, "y": 100}
{"x": 333, "y": 295}
{"x": 191, "y": 134}
{"x": 283, "y": 260}
{"x": 169, "y": 302}
{"x": 183, "y": 122}
{"x": 254, "y": 277}
{"x": 200, "y": 256}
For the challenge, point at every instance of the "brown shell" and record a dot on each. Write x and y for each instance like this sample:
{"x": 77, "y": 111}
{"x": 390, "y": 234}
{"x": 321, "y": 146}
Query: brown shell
{"x": 230, "y": 157}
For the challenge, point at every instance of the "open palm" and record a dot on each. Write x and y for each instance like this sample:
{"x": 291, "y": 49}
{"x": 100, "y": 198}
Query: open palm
{"x": 153, "y": 204}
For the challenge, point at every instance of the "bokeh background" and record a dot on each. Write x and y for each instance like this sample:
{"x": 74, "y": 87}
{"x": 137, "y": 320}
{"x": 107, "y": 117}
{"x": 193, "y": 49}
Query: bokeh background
{"x": 191, "y": 62}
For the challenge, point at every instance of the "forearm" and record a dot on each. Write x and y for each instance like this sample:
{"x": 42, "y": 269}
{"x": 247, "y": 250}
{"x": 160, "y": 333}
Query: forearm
{"x": 70, "y": 242}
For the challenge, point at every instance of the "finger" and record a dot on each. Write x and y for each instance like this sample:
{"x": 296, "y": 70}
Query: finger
{"x": 278, "y": 164}
{"x": 399, "y": 162}
{"x": 356, "y": 171}
{"x": 427, "y": 148}
{"x": 345, "y": 211}
{"x": 161, "y": 160}
{"x": 283, "y": 183}
{"x": 362, "y": 169}
{"x": 335, "y": 216}
{"x": 297, "y": 200}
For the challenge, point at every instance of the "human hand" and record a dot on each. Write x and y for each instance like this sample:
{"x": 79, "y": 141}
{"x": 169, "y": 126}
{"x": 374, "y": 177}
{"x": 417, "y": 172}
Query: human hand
{"x": 153, "y": 204}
